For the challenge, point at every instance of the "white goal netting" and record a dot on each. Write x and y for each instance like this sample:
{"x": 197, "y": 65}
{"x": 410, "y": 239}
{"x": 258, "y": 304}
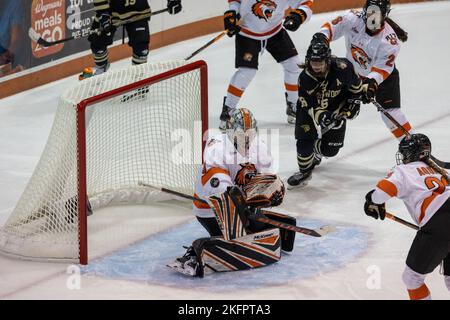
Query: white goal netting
{"x": 151, "y": 134}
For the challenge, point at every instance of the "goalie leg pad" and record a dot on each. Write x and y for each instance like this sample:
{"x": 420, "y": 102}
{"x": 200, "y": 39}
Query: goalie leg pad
{"x": 251, "y": 251}
{"x": 229, "y": 208}
{"x": 287, "y": 236}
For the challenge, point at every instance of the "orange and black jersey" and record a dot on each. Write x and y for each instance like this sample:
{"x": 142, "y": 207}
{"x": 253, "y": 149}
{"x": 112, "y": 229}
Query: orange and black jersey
{"x": 123, "y": 10}
{"x": 331, "y": 93}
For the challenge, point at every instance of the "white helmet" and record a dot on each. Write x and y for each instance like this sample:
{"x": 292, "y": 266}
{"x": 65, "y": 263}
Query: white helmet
{"x": 241, "y": 129}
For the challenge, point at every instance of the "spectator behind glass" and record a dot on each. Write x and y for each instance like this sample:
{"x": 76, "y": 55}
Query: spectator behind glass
{"x": 11, "y": 24}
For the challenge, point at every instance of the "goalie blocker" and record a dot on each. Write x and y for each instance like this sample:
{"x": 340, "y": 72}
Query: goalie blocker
{"x": 244, "y": 244}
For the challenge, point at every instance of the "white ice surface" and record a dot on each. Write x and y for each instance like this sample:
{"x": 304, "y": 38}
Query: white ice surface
{"x": 336, "y": 192}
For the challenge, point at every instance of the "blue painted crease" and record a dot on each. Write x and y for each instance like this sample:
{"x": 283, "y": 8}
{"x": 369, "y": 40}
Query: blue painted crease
{"x": 146, "y": 261}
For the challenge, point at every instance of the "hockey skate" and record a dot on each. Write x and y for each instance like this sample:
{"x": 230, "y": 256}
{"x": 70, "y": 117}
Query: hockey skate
{"x": 299, "y": 179}
{"x": 317, "y": 159}
{"x": 290, "y": 111}
{"x": 224, "y": 116}
{"x": 93, "y": 71}
{"x": 187, "y": 264}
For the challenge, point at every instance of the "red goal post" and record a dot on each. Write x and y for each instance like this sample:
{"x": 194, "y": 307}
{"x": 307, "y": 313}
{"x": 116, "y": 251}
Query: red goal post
{"x": 110, "y": 132}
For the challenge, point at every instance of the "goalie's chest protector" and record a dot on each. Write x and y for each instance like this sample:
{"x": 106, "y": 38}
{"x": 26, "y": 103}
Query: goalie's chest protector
{"x": 222, "y": 163}
{"x": 224, "y": 155}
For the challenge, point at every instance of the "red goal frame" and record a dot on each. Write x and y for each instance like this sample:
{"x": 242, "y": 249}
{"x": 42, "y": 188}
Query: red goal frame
{"x": 81, "y": 136}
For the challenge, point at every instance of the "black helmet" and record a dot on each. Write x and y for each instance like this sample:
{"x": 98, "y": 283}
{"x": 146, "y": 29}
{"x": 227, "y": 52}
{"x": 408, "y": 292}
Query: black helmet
{"x": 415, "y": 147}
{"x": 382, "y": 6}
{"x": 319, "y": 50}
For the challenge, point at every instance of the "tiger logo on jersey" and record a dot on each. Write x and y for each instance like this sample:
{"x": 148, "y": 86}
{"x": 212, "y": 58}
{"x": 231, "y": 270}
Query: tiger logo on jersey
{"x": 264, "y": 9}
{"x": 360, "y": 56}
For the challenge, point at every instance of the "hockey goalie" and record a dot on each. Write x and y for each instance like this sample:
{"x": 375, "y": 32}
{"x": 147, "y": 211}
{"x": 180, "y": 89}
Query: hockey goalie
{"x": 236, "y": 180}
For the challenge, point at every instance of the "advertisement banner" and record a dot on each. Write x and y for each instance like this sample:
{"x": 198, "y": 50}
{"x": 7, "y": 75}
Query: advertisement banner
{"x": 48, "y": 19}
{"x": 53, "y": 20}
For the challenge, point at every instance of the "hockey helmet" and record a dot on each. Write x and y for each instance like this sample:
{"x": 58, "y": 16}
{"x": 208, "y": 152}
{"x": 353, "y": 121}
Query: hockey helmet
{"x": 375, "y": 13}
{"x": 415, "y": 147}
{"x": 241, "y": 129}
{"x": 318, "y": 56}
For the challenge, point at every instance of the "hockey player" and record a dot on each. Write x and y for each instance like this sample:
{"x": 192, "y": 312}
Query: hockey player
{"x": 329, "y": 94}
{"x": 236, "y": 179}
{"x": 258, "y": 26}
{"x": 373, "y": 47}
{"x": 426, "y": 194}
{"x": 109, "y": 13}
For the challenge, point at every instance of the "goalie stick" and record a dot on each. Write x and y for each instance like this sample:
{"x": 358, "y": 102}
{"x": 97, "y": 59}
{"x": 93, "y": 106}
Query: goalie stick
{"x": 320, "y": 232}
{"x": 433, "y": 162}
{"x": 35, "y": 36}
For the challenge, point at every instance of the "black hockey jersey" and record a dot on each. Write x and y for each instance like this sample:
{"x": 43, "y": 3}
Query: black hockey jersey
{"x": 329, "y": 94}
{"x": 124, "y": 10}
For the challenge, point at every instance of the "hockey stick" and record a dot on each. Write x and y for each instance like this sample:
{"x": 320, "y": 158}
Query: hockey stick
{"x": 433, "y": 162}
{"x": 399, "y": 220}
{"x": 206, "y": 45}
{"x": 310, "y": 232}
{"x": 35, "y": 36}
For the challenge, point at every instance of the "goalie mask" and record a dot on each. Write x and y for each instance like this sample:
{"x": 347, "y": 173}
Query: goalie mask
{"x": 416, "y": 147}
{"x": 241, "y": 129}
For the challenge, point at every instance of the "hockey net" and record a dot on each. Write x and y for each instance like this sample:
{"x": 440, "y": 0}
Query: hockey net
{"x": 144, "y": 123}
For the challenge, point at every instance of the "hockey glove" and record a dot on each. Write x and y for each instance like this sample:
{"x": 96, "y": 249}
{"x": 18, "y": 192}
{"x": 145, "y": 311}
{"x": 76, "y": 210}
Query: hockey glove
{"x": 295, "y": 18}
{"x": 370, "y": 87}
{"x": 351, "y": 109}
{"x": 264, "y": 190}
{"x": 174, "y": 6}
{"x": 230, "y": 21}
{"x": 372, "y": 209}
{"x": 326, "y": 118}
{"x": 243, "y": 176}
{"x": 105, "y": 23}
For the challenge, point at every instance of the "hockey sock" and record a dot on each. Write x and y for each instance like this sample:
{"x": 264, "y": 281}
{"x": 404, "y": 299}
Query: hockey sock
{"x": 415, "y": 283}
{"x": 291, "y": 74}
{"x": 101, "y": 58}
{"x": 398, "y": 115}
{"x": 239, "y": 82}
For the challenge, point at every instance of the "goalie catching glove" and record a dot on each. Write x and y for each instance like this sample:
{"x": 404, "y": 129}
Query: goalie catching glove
{"x": 264, "y": 190}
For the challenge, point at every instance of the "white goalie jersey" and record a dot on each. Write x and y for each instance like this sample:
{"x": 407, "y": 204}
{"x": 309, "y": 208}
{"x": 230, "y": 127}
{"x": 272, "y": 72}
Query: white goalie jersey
{"x": 372, "y": 56}
{"x": 261, "y": 19}
{"x": 223, "y": 167}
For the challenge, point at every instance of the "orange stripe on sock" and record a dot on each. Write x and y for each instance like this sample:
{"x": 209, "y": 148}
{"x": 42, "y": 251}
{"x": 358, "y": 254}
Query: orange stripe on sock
{"x": 420, "y": 293}
{"x": 399, "y": 132}
{"x": 291, "y": 87}
{"x": 235, "y": 91}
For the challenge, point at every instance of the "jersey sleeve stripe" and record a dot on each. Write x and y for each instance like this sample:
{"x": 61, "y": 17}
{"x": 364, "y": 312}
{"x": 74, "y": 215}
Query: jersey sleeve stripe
{"x": 399, "y": 132}
{"x": 308, "y": 4}
{"x": 214, "y": 170}
{"x": 328, "y": 28}
{"x": 382, "y": 72}
{"x": 388, "y": 187}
